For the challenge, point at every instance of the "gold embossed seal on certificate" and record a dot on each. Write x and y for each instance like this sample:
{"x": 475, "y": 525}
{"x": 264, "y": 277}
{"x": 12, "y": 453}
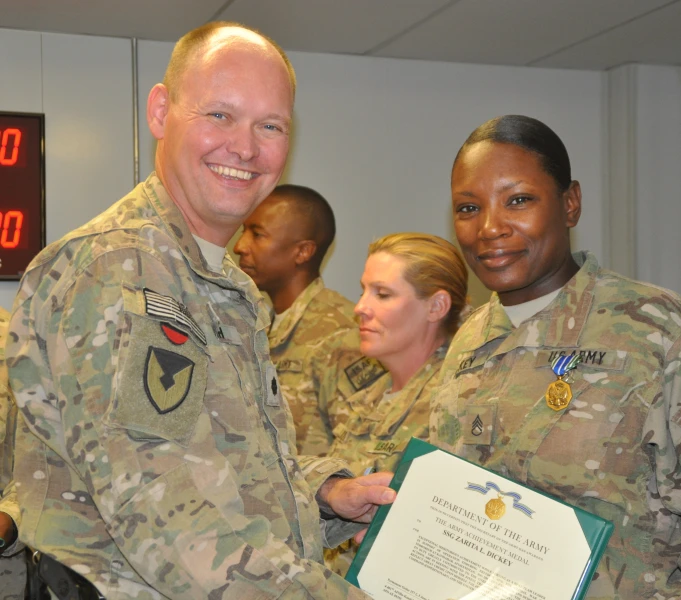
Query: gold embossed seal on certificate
{"x": 559, "y": 394}
{"x": 496, "y": 507}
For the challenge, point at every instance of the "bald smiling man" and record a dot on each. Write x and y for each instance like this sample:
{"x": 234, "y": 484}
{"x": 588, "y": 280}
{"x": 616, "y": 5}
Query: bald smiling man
{"x": 153, "y": 455}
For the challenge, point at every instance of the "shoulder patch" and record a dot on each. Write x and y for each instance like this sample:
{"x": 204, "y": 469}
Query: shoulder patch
{"x": 167, "y": 379}
{"x": 364, "y": 372}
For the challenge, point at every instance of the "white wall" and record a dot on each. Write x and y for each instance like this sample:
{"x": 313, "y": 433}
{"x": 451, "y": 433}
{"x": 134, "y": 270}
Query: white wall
{"x": 658, "y": 175}
{"x": 377, "y": 137}
{"x": 84, "y": 87}
{"x": 644, "y": 205}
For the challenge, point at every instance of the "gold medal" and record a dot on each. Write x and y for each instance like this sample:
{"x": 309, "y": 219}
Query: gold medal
{"x": 558, "y": 394}
{"x": 495, "y": 508}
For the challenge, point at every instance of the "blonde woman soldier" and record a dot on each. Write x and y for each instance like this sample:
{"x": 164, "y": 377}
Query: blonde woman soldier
{"x": 413, "y": 294}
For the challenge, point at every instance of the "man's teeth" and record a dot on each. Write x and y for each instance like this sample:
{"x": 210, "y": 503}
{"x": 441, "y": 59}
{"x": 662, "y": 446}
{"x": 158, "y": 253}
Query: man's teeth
{"x": 230, "y": 172}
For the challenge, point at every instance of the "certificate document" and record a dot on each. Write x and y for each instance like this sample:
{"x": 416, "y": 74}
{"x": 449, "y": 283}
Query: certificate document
{"x": 458, "y": 531}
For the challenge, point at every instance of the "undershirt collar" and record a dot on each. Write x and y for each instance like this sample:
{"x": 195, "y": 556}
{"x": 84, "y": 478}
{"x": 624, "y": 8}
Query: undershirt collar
{"x": 213, "y": 254}
{"x": 521, "y": 312}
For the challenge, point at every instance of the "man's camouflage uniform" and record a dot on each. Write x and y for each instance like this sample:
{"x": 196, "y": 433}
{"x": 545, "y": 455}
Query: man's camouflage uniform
{"x": 154, "y": 456}
{"x": 377, "y": 430}
{"x": 315, "y": 349}
{"x": 614, "y": 451}
{"x": 13, "y": 560}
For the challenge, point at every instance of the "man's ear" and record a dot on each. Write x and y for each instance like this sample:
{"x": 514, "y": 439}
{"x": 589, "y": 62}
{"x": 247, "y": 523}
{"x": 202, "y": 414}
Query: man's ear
{"x": 439, "y": 304}
{"x": 158, "y": 104}
{"x": 573, "y": 204}
{"x": 305, "y": 250}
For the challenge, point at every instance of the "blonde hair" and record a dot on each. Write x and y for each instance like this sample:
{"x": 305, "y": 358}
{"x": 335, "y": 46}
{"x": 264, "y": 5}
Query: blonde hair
{"x": 197, "y": 39}
{"x": 432, "y": 264}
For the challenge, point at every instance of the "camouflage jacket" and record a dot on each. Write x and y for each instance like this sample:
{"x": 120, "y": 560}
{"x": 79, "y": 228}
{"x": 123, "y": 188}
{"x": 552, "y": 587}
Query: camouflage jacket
{"x": 377, "y": 429}
{"x": 13, "y": 559}
{"x": 379, "y": 426}
{"x": 153, "y": 453}
{"x": 615, "y": 450}
{"x": 315, "y": 349}
{"x": 7, "y": 409}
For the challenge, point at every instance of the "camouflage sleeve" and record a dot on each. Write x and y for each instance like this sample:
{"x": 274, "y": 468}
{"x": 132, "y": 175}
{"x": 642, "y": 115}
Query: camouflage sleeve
{"x": 662, "y": 432}
{"x": 10, "y": 506}
{"x": 324, "y": 369}
{"x": 316, "y": 471}
{"x": 177, "y": 516}
{"x": 332, "y": 356}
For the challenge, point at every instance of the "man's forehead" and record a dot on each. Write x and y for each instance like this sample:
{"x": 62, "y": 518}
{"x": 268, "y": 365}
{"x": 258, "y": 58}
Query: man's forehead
{"x": 272, "y": 213}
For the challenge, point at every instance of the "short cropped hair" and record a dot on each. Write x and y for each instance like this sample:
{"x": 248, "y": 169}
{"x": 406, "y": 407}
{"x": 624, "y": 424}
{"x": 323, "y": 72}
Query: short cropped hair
{"x": 531, "y": 135}
{"x": 197, "y": 39}
{"x": 432, "y": 264}
{"x": 314, "y": 217}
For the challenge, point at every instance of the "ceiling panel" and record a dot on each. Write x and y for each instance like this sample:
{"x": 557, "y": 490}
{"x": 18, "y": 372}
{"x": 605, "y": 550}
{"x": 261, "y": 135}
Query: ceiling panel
{"x": 584, "y": 34}
{"x": 145, "y": 19}
{"x": 652, "y": 39}
{"x": 518, "y": 32}
{"x": 336, "y": 26}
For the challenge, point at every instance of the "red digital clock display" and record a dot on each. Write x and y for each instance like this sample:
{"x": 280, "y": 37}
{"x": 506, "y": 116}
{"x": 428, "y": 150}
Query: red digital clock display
{"x": 22, "y": 191}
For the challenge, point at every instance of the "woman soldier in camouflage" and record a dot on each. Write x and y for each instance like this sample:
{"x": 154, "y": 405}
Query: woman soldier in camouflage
{"x": 600, "y": 429}
{"x": 414, "y": 290}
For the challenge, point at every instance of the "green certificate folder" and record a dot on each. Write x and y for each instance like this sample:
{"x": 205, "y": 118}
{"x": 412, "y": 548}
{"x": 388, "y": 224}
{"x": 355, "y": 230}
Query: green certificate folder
{"x": 458, "y": 530}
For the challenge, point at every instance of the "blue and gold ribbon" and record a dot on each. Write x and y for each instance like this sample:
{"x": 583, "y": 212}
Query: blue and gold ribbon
{"x": 490, "y": 485}
{"x": 562, "y": 365}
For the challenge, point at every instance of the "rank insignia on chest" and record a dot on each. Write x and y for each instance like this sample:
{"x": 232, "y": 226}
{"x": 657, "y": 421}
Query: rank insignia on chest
{"x": 476, "y": 428}
{"x": 559, "y": 394}
{"x": 167, "y": 379}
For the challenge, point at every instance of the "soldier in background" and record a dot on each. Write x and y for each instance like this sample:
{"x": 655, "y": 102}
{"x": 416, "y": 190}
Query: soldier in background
{"x": 12, "y": 556}
{"x": 314, "y": 339}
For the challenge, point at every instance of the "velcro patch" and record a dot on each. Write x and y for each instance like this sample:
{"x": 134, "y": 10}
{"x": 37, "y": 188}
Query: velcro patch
{"x": 364, "y": 372}
{"x": 384, "y": 447}
{"x": 272, "y": 386}
{"x": 608, "y": 359}
{"x": 477, "y": 425}
{"x": 172, "y": 310}
{"x": 469, "y": 361}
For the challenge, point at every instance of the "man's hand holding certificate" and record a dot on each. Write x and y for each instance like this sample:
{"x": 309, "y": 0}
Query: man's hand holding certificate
{"x": 459, "y": 531}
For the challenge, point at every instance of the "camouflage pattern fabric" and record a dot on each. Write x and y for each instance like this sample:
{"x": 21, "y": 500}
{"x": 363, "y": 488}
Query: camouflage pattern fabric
{"x": 13, "y": 559}
{"x": 153, "y": 454}
{"x": 379, "y": 426}
{"x": 614, "y": 451}
{"x": 315, "y": 349}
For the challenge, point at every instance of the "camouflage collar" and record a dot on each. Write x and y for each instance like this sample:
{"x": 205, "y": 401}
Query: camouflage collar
{"x": 172, "y": 219}
{"x": 296, "y": 311}
{"x": 559, "y": 325}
